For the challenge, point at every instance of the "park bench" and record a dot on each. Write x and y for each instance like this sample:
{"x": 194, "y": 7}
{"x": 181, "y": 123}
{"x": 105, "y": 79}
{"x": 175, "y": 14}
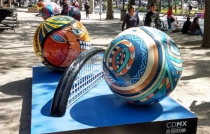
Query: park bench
{"x": 8, "y": 19}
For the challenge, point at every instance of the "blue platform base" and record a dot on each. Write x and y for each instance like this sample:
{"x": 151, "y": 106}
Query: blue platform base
{"x": 100, "y": 111}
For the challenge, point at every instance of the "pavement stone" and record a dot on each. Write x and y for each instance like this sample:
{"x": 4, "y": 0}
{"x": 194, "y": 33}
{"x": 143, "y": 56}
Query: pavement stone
{"x": 17, "y": 58}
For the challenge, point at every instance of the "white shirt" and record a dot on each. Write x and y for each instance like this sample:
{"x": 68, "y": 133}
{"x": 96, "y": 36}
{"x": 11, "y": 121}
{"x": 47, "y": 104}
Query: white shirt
{"x": 173, "y": 27}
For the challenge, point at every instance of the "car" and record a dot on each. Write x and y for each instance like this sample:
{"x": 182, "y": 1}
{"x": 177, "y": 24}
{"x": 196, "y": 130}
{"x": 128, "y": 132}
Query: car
{"x": 180, "y": 6}
{"x": 144, "y": 3}
{"x": 194, "y": 4}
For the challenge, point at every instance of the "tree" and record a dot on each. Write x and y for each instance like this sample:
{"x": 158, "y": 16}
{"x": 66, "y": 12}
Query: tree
{"x": 80, "y": 5}
{"x": 1, "y": 3}
{"x": 91, "y": 6}
{"x": 175, "y": 5}
{"x": 139, "y": 3}
{"x": 131, "y": 2}
{"x": 206, "y": 37}
{"x": 109, "y": 12}
{"x": 20, "y": 2}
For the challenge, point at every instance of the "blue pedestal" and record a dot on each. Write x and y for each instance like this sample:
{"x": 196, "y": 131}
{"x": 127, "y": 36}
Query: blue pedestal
{"x": 100, "y": 111}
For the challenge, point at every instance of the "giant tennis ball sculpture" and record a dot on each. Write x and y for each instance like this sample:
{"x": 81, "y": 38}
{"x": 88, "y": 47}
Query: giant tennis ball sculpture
{"x": 142, "y": 65}
{"x": 59, "y": 40}
{"x": 48, "y": 9}
{"x": 72, "y": 12}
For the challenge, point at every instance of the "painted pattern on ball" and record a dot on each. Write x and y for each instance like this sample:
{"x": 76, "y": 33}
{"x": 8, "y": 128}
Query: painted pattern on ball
{"x": 59, "y": 40}
{"x": 72, "y": 12}
{"x": 48, "y": 9}
{"x": 142, "y": 65}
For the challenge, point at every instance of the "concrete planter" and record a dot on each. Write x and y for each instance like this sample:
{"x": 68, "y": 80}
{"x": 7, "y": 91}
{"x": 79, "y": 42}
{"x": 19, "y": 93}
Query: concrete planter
{"x": 32, "y": 10}
{"x": 5, "y": 5}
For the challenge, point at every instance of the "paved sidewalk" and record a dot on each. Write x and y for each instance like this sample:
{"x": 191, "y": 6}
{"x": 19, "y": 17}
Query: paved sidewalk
{"x": 17, "y": 58}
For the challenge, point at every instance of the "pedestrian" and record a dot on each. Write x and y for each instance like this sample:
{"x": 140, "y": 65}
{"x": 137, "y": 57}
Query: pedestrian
{"x": 169, "y": 16}
{"x": 87, "y": 9}
{"x": 175, "y": 25}
{"x": 203, "y": 14}
{"x": 131, "y": 18}
{"x": 65, "y": 8}
{"x": 152, "y": 17}
{"x": 189, "y": 9}
{"x": 75, "y": 4}
{"x": 194, "y": 28}
{"x": 186, "y": 26}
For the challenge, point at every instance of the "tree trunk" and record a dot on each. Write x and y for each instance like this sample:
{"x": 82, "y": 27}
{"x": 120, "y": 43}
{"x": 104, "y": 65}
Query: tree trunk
{"x": 123, "y": 6}
{"x": 182, "y": 2}
{"x": 110, "y": 12}
{"x": 20, "y": 3}
{"x": 158, "y": 2}
{"x": 91, "y": 6}
{"x": 1, "y": 3}
{"x": 206, "y": 37}
{"x": 131, "y": 2}
{"x": 139, "y": 3}
{"x": 80, "y": 5}
{"x": 175, "y": 5}
{"x": 9, "y": 3}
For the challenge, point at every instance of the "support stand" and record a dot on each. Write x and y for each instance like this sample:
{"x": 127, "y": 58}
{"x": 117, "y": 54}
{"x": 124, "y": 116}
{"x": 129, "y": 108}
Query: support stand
{"x": 100, "y": 111}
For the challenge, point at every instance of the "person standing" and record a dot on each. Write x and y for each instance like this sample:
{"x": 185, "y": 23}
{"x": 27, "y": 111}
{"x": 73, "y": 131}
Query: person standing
{"x": 87, "y": 9}
{"x": 194, "y": 28}
{"x": 203, "y": 14}
{"x": 151, "y": 18}
{"x": 65, "y": 8}
{"x": 131, "y": 18}
{"x": 169, "y": 16}
{"x": 75, "y": 4}
{"x": 189, "y": 10}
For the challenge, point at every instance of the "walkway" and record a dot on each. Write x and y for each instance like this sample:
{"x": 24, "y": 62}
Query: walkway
{"x": 17, "y": 58}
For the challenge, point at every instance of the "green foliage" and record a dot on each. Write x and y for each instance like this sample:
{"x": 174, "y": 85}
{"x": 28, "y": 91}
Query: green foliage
{"x": 126, "y": 7}
{"x": 163, "y": 11}
{"x": 34, "y": 6}
{"x": 142, "y": 9}
{"x": 114, "y": 6}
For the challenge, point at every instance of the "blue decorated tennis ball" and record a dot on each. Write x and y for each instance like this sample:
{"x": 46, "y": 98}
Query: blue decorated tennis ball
{"x": 142, "y": 65}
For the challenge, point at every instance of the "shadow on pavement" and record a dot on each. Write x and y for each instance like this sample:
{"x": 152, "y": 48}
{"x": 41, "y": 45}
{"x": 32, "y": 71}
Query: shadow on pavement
{"x": 17, "y": 48}
{"x": 21, "y": 90}
{"x": 103, "y": 30}
{"x": 202, "y": 111}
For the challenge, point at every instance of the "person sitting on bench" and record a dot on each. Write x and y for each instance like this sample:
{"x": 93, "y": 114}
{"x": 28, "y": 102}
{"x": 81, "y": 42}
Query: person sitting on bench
{"x": 175, "y": 25}
{"x": 186, "y": 26}
{"x": 194, "y": 28}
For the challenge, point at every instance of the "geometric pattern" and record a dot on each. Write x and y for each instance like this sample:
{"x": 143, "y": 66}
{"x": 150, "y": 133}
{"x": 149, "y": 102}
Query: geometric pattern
{"x": 124, "y": 50}
{"x": 155, "y": 70}
{"x": 48, "y": 9}
{"x": 59, "y": 40}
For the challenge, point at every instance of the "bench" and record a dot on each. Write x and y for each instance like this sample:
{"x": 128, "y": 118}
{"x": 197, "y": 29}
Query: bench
{"x": 8, "y": 18}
